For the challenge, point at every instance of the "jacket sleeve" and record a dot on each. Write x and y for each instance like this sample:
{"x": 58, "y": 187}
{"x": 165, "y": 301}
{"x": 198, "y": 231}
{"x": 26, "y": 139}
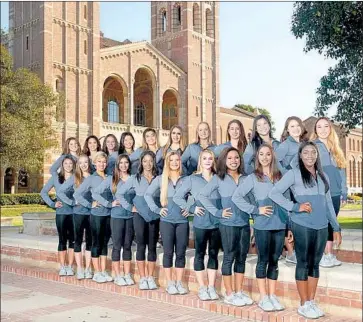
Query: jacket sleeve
{"x": 149, "y": 193}
{"x": 66, "y": 186}
{"x": 281, "y": 152}
{"x": 343, "y": 176}
{"x": 45, "y": 190}
{"x": 185, "y": 159}
{"x": 97, "y": 191}
{"x": 135, "y": 155}
{"x": 121, "y": 192}
{"x": 242, "y": 190}
{"x": 277, "y": 192}
{"x": 57, "y": 164}
{"x": 181, "y": 194}
{"x": 248, "y": 157}
{"x": 218, "y": 149}
{"x": 332, "y": 218}
{"x": 81, "y": 190}
{"x": 204, "y": 197}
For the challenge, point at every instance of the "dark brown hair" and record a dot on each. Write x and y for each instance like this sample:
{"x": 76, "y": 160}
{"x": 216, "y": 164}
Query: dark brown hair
{"x": 285, "y": 133}
{"x": 222, "y": 164}
{"x": 276, "y": 174}
{"x": 242, "y": 141}
{"x": 116, "y": 177}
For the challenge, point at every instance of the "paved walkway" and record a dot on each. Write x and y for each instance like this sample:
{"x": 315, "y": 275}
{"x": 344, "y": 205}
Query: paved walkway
{"x": 30, "y": 299}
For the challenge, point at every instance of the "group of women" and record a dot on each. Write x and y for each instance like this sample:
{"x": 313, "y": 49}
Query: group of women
{"x": 291, "y": 190}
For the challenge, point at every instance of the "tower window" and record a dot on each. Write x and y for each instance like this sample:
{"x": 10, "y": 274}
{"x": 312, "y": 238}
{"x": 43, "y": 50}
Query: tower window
{"x": 85, "y": 11}
{"x": 177, "y": 17}
{"x": 85, "y": 47}
{"x": 59, "y": 85}
{"x": 196, "y": 111}
{"x": 209, "y": 23}
{"x": 197, "y": 26}
{"x": 27, "y": 43}
{"x": 161, "y": 22}
{"x": 164, "y": 22}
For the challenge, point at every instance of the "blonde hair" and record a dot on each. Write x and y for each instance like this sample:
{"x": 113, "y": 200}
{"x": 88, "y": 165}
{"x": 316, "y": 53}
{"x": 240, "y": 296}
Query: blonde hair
{"x": 333, "y": 143}
{"x": 78, "y": 175}
{"x": 197, "y": 138}
{"x": 144, "y": 144}
{"x": 166, "y": 176}
{"x": 99, "y": 155}
{"x": 214, "y": 166}
{"x": 170, "y": 142}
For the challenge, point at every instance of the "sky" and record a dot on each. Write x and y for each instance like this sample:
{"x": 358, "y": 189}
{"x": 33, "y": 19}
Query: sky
{"x": 261, "y": 62}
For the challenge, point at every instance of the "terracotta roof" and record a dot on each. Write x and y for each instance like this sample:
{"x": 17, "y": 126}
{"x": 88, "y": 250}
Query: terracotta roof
{"x": 107, "y": 42}
{"x": 237, "y": 112}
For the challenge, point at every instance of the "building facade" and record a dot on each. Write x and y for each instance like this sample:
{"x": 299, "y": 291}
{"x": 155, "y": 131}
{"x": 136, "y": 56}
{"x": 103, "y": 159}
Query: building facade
{"x": 112, "y": 86}
{"x": 351, "y": 144}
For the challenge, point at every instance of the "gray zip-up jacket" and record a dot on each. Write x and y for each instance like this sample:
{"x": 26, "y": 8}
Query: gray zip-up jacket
{"x": 321, "y": 203}
{"x": 135, "y": 160}
{"x": 219, "y": 148}
{"x": 249, "y": 156}
{"x": 90, "y": 184}
{"x": 260, "y": 190}
{"x": 286, "y": 154}
{"x": 139, "y": 188}
{"x": 193, "y": 185}
{"x": 58, "y": 163}
{"x": 190, "y": 157}
{"x": 111, "y": 163}
{"x": 66, "y": 209}
{"x": 67, "y": 189}
{"x": 337, "y": 176}
{"x": 174, "y": 211}
{"x": 117, "y": 211}
{"x": 225, "y": 189}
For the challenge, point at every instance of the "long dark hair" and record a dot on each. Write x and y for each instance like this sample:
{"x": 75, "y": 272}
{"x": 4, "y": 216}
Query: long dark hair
{"x": 140, "y": 170}
{"x": 61, "y": 174}
{"x": 222, "y": 164}
{"x": 104, "y": 145}
{"x": 116, "y": 177}
{"x": 122, "y": 149}
{"x": 276, "y": 174}
{"x": 85, "y": 146}
{"x": 256, "y": 139}
{"x": 285, "y": 133}
{"x": 306, "y": 175}
{"x": 242, "y": 141}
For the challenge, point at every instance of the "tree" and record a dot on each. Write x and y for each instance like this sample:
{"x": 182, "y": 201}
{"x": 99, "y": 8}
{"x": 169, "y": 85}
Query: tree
{"x": 27, "y": 109}
{"x": 4, "y": 37}
{"x": 335, "y": 29}
{"x": 257, "y": 111}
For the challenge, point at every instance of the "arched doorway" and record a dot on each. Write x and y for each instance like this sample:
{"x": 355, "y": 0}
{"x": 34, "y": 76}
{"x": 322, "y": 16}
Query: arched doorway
{"x": 113, "y": 101}
{"x": 170, "y": 109}
{"x": 144, "y": 98}
{"x": 9, "y": 180}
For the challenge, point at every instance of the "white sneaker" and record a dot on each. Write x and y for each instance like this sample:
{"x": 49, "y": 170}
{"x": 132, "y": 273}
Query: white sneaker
{"x": 99, "y": 278}
{"x": 143, "y": 285}
{"x": 213, "y": 293}
{"x": 203, "y": 293}
{"x": 128, "y": 279}
{"x": 235, "y": 300}
{"x": 326, "y": 261}
{"x": 334, "y": 260}
{"x": 107, "y": 276}
{"x": 181, "y": 288}
{"x": 245, "y": 297}
{"x": 317, "y": 309}
{"x": 62, "y": 271}
{"x": 292, "y": 258}
{"x": 119, "y": 280}
{"x": 80, "y": 274}
{"x": 276, "y": 303}
{"x": 265, "y": 304}
{"x": 151, "y": 283}
{"x": 69, "y": 270}
{"x": 308, "y": 311}
{"x": 88, "y": 274}
{"x": 171, "y": 289}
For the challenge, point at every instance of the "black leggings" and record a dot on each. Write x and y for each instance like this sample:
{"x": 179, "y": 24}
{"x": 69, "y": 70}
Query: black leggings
{"x": 147, "y": 234}
{"x": 201, "y": 238}
{"x": 269, "y": 248}
{"x": 235, "y": 243}
{"x": 336, "y": 205}
{"x": 174, "y": 236}
{"x": 309, "y": 248}
{"x": 64, "y": 225}
{"x": 82, "y": 226}
{"x": 101, "y": 233}
{"x": 122, "y": 232}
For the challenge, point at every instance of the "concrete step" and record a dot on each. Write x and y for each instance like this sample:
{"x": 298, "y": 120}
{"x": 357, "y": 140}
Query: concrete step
{"x": 339, "y": 289}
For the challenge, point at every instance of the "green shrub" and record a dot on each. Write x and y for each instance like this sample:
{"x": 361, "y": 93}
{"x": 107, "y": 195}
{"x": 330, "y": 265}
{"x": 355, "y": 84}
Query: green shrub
{"x": 22, "y": 199}
{"x": 356, "y": 198}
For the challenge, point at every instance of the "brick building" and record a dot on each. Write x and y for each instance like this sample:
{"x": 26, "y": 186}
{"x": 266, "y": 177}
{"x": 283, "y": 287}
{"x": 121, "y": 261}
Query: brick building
{"x": 112, "y": 86}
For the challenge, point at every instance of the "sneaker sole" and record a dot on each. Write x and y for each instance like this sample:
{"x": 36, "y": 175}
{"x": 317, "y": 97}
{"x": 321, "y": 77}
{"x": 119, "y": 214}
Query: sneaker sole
{"x": 265, "y": 309}
{"x": 314, "y": 318}
{"x": 290, "y": 261}
{"x": 327, "y": 266}
{"x": 227, "y": 302}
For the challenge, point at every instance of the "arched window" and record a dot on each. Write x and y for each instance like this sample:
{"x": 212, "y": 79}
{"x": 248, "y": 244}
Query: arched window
{"x": 209, "y": 23}
{"x": 169, "y": 110}
{"x": 353, "y": 145}
{"x": 354, "y": 174}
{"x": 350, "y": 144}
{"x": 197, "y": 111}
{"x": 139, "y": 114}
{"x": 112, "y": 101}
{"x": 197, "y": 25}
{"x": 85, "y": 49}
{"x": 59, "y": 85}
{"x": 85, "y": 12}
{"x": 360, "y": 173}
{"x": 113, "y": 111}
{"x": 177, "y": 20}
{"x": 351, "y": 173}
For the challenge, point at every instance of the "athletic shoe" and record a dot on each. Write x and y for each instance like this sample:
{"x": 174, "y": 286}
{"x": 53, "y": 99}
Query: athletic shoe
{"x": 151, "y": 283}
{"x": 265, "y": 304}
{"x": 245, "y": 297}
{"x": 80, "y": 274}
{"x": 69, "y": 270}
{"x": 128, "y": 279}
{"x": 291, "y": 258}
{"x": 119, "y": 280}
{"x": 213, "y": 293}
{"x": 181, "y": 289}
{"x": 107, "y": 276}
{"x": 143, "y": 285}
{"x": 158, "y": 245}
{"x": 62, "y": 271}
{"x": 317, "y": 309}
{"x": 334, "y": 260}
{"x": 171, "y": 289}
{"x": 326, "y": 261}
{"x": 276, "y": 303}
{"x": 235, "y": 300}
{"x": 203, "y": 294}
{"x": 308, "y": 311}
{"x": 88, "y": 273}
{"x": 99, "y": 278}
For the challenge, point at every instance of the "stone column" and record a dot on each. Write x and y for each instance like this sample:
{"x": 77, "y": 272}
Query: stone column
{"x": 2, "y": 180}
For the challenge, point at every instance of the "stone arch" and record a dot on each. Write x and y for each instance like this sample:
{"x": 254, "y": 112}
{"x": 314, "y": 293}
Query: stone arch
{"x": 197, "y": 25}
{"x": 144, "y": 94}
{"x": 113, "y": 99}
{"x": 170, "y": 108}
